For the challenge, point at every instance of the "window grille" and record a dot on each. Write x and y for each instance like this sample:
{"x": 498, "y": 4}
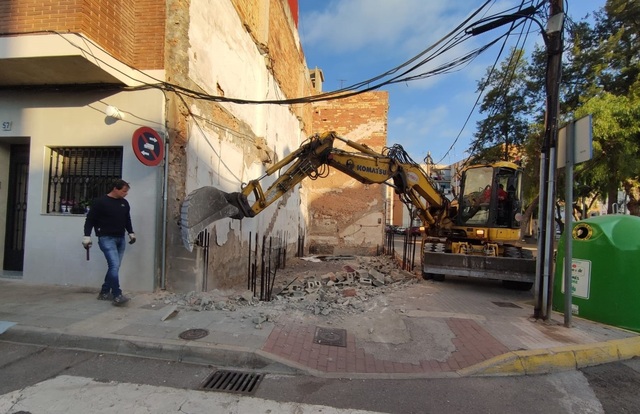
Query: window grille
{"x": 77, "y": 175}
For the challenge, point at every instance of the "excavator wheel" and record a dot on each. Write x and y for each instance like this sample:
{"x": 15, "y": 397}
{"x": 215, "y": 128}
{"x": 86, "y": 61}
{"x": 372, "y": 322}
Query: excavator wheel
{"x": 436, "y": 277}
{"x": 511, "y": 251}
{"x": 515, "y": 285}
{"x": 526, "y": 254}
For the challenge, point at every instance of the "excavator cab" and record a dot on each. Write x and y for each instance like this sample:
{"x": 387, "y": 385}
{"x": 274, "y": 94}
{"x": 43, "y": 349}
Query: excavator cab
{"x": 484, "y": 239}
{"x": 490, "y": 196}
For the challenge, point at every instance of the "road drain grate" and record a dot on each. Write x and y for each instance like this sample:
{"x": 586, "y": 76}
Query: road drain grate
{"x": 506, "y": 305}
{"x": 330, "y": 336}
{"x": 232, "y": 381}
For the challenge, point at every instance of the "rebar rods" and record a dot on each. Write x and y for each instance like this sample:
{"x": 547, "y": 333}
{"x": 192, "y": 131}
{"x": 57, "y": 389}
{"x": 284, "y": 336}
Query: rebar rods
{"x": 273, "y": 255}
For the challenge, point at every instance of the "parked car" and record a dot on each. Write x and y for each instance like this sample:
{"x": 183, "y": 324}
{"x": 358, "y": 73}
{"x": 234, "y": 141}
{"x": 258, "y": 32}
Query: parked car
{"x": 390, "y": 228}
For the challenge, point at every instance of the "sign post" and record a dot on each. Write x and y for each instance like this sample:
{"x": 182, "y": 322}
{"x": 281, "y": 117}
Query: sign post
{"x": 578, "y": 140}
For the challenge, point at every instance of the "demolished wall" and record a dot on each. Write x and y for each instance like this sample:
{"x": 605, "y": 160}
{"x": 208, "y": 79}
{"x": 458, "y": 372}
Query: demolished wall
{"x": 345, "y": 216}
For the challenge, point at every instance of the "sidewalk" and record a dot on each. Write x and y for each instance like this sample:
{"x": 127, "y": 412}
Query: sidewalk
{"x": 425, "y": 329}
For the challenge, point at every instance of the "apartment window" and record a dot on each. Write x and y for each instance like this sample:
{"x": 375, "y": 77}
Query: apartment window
{"x": 77, "y": 175}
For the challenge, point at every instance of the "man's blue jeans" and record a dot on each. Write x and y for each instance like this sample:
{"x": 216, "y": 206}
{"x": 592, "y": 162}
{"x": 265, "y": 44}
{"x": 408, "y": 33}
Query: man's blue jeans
{"x": 113, "y": 249}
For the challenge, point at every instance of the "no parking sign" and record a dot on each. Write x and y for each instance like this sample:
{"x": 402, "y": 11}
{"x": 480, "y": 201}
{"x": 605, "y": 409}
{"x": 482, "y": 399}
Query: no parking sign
{"x": 148, "y": 146}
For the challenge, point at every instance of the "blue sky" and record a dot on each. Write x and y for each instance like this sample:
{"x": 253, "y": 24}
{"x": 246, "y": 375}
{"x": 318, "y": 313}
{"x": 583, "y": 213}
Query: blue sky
{"x": 355, "y": 40}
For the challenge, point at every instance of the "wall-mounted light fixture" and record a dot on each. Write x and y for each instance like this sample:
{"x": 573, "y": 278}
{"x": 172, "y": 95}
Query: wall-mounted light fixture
{"x": 113, "y": 112}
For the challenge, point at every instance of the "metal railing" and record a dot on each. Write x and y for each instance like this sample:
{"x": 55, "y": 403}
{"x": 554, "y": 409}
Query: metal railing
{"x": 77, "y": 175}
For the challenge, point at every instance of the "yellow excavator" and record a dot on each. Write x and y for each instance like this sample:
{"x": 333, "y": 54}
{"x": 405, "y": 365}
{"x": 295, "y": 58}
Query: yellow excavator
{"x": 477, "y": 235}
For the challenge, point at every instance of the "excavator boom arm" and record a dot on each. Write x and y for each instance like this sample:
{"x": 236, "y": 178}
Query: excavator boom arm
{"x": 208, "y": 204}
{"x": 366, "y": 166}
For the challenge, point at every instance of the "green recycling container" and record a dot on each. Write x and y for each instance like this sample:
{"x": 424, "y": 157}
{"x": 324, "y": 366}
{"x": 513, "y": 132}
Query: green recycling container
{"x": 605, "y": 271}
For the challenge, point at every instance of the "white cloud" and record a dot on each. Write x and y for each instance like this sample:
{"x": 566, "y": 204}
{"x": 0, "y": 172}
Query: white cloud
{"x": 397, "y": 26}
{"x": 366, "y": 31}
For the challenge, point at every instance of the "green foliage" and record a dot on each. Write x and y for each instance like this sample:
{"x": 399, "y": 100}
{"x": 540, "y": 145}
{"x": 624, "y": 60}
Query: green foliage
{"x": 506, "y": 106}
{"x": 620, "y": 48}
{"x": 600, "y": 76}
{"x": 616, "y": 144}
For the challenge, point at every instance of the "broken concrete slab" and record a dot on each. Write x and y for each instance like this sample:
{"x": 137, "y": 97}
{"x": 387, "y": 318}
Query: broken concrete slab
{"x": 169, "y": 313}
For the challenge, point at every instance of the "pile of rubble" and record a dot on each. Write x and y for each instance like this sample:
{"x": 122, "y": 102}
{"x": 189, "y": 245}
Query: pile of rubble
{"x": 322, "y": 286}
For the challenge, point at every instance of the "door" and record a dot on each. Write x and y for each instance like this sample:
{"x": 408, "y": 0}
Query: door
{"x": 16, "y": 208}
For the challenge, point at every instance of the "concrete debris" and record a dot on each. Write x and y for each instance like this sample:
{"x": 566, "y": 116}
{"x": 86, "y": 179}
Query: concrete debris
{"x": 172, "y": 311}
{"x": 319, "y": 287}
{"x": 260, "y": 319}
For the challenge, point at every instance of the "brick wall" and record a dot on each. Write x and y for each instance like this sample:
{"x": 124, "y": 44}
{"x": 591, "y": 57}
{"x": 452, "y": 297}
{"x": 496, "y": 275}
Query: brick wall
{"x": 347, "y": 217}
{"x": 133, "y": 32}
{"x": 149, "y": 29}
{"x": 364, "y": 115}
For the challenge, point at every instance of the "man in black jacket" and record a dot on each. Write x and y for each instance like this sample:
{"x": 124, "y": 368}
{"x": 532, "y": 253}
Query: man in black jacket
{"x": 110, "y": 216}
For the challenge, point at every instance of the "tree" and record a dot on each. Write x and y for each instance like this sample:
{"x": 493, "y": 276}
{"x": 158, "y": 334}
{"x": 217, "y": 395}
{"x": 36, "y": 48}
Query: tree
{"x": 607, "y": 61}
{"x": 619, "y": 29}
{"x": 616, "y": 144}
{"x": 600, "y": 76}
{"x": 505, "y": 104}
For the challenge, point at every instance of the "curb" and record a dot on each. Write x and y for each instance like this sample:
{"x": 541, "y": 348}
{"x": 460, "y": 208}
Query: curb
{"x": 514, "y": 363}
{"x": 544, "y": 361}
{"x": 163, "y": 349}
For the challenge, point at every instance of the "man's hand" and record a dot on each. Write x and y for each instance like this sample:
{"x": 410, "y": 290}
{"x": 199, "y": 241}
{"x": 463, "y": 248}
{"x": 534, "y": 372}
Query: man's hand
{"x": 132, "y": 238}
{"x": 86, "y": 242}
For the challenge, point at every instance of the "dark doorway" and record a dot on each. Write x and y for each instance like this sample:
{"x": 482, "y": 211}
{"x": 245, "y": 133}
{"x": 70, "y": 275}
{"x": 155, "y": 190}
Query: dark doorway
{"x": 16, "y": 208}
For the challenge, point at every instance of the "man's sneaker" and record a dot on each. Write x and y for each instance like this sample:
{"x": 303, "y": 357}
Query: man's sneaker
{"x": 120, "y": 300}
{"x": 105, "y": 296}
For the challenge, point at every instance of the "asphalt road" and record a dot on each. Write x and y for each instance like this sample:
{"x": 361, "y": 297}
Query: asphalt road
{"x": 610, "y": 388}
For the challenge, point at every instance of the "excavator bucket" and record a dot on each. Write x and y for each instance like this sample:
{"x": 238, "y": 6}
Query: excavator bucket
{"x": 201, "y": 208}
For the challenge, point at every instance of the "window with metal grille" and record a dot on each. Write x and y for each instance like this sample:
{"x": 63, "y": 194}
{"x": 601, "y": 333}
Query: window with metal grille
{"x": 77, "y": 175}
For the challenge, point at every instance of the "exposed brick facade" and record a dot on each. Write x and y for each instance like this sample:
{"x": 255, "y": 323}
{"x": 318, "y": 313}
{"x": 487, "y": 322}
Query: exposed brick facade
{"x": 133, "y": 32}
{"x": 347, "y": 217}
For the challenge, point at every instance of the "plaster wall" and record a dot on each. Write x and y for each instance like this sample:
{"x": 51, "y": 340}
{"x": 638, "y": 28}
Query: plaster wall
{"x": 53, "y": 253}
{"x": 225, "y": 144}
{"x": 231, "y": 62}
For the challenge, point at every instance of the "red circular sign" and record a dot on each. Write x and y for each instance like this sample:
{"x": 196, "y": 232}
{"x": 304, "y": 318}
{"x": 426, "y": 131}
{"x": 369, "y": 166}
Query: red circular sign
{"x": 148, "y": 146}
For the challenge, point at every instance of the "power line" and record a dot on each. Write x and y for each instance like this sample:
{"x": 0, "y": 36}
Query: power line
{"x": 481, "y": 92}
{"x": 440, "y": 47}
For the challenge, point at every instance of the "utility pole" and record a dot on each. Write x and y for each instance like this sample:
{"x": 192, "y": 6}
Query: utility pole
{"x": 546, "y": 239}
{"x": 548, "y": 157}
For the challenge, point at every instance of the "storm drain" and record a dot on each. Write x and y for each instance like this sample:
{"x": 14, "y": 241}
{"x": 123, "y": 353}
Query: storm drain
{"x": 330, "y": 336}
{"x": 506, "y": 305}
{"x": 191, "y": 334}
{"x": 232, "y": 381}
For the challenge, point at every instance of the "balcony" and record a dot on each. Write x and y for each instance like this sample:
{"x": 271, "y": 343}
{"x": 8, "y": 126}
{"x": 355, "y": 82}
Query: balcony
{"x": 61, "y": 59}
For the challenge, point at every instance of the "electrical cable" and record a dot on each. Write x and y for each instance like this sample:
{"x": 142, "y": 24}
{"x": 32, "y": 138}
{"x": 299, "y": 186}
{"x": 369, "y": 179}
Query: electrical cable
{"x": 481, "y": 93}
{"x": 338, "y": 94}
{"x": 452, "y": 39}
